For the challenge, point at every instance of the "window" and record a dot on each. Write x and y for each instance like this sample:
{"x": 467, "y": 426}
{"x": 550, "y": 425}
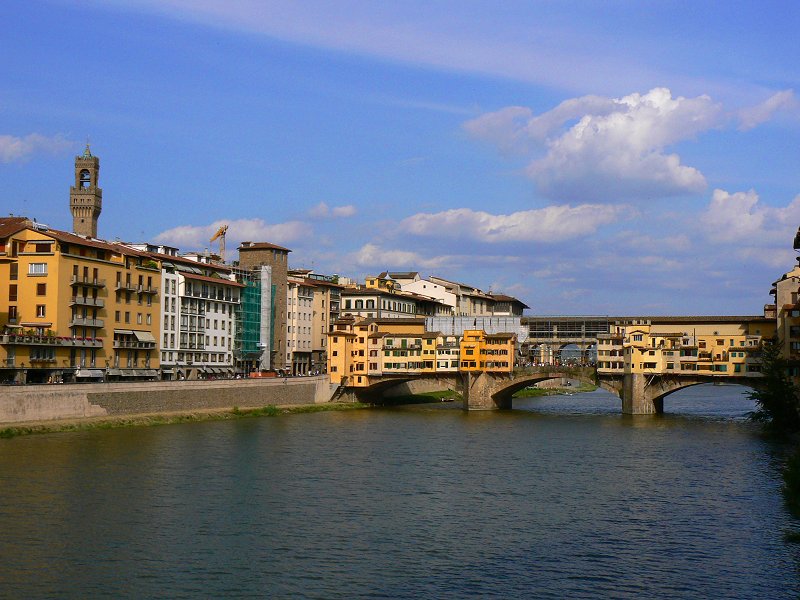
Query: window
{"x": 127, "y": 317}
{"x": 41, "y": 289}
{"x": 12, "y": 313}
{"x": 12, "y": 292}
{"x": 37, "y": 269}
{"x": 116, "y": 316}
{"x": 14, "y": 271}
{"x": 40, "y": 310}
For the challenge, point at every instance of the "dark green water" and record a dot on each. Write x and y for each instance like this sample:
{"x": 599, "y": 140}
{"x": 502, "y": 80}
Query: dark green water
{"x": 562, "y": 497}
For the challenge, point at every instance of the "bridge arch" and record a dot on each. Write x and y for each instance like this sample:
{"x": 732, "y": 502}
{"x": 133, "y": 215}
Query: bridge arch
{"x": 643, "y": 394}
{"x": 377, "y": 390}
{"x": 504, "y": 389}
{"x": 668, "y": 387}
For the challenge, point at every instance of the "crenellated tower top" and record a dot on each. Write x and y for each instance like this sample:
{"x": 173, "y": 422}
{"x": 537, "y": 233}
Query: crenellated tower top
{"x": 86, "y": 197}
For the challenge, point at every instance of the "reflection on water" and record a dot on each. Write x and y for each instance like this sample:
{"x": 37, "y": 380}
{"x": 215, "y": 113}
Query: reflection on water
{"x": 562, "y": 497}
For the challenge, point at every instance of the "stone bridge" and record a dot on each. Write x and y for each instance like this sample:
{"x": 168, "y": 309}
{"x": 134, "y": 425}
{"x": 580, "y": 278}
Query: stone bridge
{"x": 640, "y": 393}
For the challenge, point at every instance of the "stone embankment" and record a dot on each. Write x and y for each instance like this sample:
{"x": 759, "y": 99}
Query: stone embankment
{"x": 19, "y": 404}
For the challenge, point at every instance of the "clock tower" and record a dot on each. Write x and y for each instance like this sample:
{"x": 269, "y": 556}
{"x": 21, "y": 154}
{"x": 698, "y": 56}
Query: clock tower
{"x": 86, "y": 198}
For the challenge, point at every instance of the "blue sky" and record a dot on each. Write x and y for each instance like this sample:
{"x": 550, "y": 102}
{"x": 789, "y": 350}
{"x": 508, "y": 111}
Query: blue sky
{"x": 587, "y": 157}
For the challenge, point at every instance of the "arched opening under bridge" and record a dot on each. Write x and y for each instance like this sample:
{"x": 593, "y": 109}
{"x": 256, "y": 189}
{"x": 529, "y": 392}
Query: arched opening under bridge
{"x": 708, "y": 400}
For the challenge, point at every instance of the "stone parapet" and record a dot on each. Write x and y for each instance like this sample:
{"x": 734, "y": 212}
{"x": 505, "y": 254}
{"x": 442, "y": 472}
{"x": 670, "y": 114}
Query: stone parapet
{"x": 56, "y": 402}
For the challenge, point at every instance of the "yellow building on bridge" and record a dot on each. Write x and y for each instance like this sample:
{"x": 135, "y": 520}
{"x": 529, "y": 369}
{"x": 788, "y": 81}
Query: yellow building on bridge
{"x": 714, "y": 345}
{"x": 364, "y": 348}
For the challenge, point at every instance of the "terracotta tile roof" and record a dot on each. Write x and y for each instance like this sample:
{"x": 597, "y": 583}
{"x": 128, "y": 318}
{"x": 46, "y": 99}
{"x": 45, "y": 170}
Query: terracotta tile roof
{"x": 11, "y": 225}
{"x": 505, "y": 298}
{"x": 261, "y": 246}
{"x": 15, "y": 224}
{"x": 218, "y": 280}
{"x": 188, "y": 261}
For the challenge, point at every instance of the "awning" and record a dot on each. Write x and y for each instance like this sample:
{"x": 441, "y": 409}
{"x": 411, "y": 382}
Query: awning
{"x": 35, "y": 324}
{"x": 150, "y": 373}
{"x": 123, "y": 332}
{"x": 144, "y": 336}
{"x": 88, "y": 373}
{"x": 114, "y": 372}
{"x": 167, "y": 371}
{"x": 127, "y": 372}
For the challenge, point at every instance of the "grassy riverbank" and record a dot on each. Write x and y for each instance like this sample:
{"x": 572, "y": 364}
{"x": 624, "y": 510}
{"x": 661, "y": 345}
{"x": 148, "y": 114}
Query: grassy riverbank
{"x": 534, "y": 392}
{"x": 422, "y": 398}
{"x": 170, "y": 418}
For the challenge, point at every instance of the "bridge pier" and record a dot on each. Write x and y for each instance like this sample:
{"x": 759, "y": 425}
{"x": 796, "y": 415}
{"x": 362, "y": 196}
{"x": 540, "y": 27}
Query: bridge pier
{"x": 477, "y": 389}
{"x": 637, "y": 399}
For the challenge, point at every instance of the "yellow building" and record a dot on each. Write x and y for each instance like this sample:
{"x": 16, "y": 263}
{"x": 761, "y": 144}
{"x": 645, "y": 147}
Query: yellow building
{"x": 491, "y": 352}
{"x": 358, "y": 347}
{"x": 715, "y": 345}
{"x": 75, "y": 308}
{"x": 787, "y": 316}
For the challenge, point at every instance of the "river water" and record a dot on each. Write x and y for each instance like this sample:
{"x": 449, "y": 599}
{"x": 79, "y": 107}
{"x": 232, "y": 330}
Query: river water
{"x": 562, "y": 497}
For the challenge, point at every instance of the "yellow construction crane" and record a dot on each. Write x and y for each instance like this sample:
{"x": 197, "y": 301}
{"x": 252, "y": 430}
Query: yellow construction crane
{"x": 221, "y": 235}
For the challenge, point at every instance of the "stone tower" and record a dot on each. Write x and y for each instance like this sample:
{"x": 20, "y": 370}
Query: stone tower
{"x": 253, "y": 255}
{"x": 85, "y": 198}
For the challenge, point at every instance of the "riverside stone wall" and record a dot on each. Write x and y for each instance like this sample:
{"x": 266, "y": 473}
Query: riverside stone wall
{"x": 55, "y": 402}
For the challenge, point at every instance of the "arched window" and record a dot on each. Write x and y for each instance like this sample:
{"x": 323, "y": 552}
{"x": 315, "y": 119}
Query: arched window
{"x": 85, "y": 178}
{"x": 359, "y": 304}
{"x": 370, "y": 303}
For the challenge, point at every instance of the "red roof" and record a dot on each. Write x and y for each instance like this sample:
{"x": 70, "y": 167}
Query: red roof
{"x": 212, "y": 279}
{"x": 261, "y": 246}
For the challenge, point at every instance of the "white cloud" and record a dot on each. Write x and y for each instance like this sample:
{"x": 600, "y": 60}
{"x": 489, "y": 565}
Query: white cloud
{"x": 193, "y": 237}
{"x": 504, "y": 128}
{"x": 755, "y": 115}
{"x": 323, "y": 211}
{"x": 523, "y": 41}
{"x": 758, "y": 232}
{"x": 549, "y": 224}
{"x": 645, "y": 241}
{"x": 21, "y": 148}
{"x": 344, "y": 211}
{"x": 615, "y": 151}
{"x": 371, "y": 255}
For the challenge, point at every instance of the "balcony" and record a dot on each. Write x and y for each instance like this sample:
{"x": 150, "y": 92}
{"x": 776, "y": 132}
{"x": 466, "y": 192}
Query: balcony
{"x": 146, "y": 289}
{"x": 82, "y": 322}
{"x": 87, "y": 301}
{"x": 126, "y": 286}
{"x": 82, "y": 342}
{"x": 134, "y": 344}
{"x": 18, "y": 339}
{"x": 91, "y": 282}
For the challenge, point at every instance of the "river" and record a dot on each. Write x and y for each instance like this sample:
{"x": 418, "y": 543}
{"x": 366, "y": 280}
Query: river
{"x": 562, "y": 497}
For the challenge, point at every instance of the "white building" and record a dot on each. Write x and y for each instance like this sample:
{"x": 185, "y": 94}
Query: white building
{"x": 300, "y": 320}
{"x": 201, "y": 300}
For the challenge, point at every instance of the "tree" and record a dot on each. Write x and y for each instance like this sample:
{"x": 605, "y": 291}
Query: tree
{"x": 777, "y": 400}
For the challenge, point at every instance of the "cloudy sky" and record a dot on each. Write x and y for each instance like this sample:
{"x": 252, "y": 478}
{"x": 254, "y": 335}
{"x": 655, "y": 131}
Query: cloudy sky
{"x": 589, "y": 157}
